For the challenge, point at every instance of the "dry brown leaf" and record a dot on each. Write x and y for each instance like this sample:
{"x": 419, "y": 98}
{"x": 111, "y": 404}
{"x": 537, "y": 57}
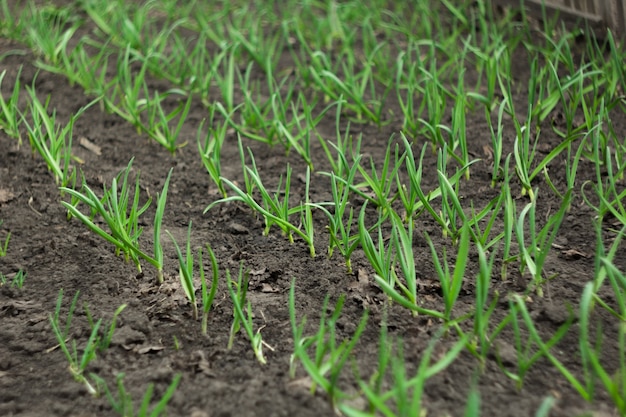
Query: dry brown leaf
{"x": 6, "y": 196}
{"x": 17, "y": 306}
{"x": 203, "y": 364}
{"x": 148, "y": 349}
{"x": 488, "y": 151}
{"x": 90, "y": 146}
{"x": 301, "y": 383}
{"x": 574, "y": 254}
{"x": 362, "y": 283}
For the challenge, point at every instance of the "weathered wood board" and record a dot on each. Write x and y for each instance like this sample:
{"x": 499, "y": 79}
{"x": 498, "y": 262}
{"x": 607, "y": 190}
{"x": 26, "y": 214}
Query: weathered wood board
{"x": 598, "y": 13}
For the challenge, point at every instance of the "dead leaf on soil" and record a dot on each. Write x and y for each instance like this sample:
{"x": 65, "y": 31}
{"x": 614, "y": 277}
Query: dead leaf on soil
{"x": 202, "y": 363}
{"x": 488, "y": 151}
{"x": 55, "y": 347}
{"x": 196, "y": 412}
{"x": 127, "y": 336}
{"x": 267, "y": 288}
{"x": 255, "y": 272}
{"x": 362, "y": 283}
{"x": 37, "y": 319}
{"x": 301, "y": 383}
{"x": 90, "y": 146}
{"x": 237, "y": 229}
{"x": 573, "y": 254}
{"x": 505, "y": 352}
{"x": 17, "y": 306}
{"x": 174, "y": 289}
{"x": 430, "y": 298}
{"x": 147, "y": 349}
{"x": 556, "y": 394}
{"x": 145, "y": 288}
{"x": 359, "y": 289}
{"x": 6, "y": 196}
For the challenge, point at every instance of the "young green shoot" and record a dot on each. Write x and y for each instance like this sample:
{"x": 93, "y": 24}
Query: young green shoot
{"x": 604, "y": 269}
{"x": 383, "y": 260}
{"x": 533, "y": 254}
{"x": 208, "y": 295}
{"x": 509, "y": 214}
{"x": 49, "y": 32}
{"x": 225, "y": 78}
{"x": 530, "y": 348}
{"x": 122, "y": 23}
{"x": 451, "y": 212}
{"x": 350, "y": 84}
{"x": 491, "y": 212}
{"x": 244, "y": 316}
{"x": 85, "y": 65}
{"x": 242, "y": 290}
{"x": 296, "y": 132}
{"x": 406, "y": 87}
{"x": 185, "y": 271}
{"x": 403, "y": 396}
{"x": 607, "y": 188}
{"x": 129, "y": 96}
{"x": 52, "y": 142}
{"x": 9, "y": 114}
{"x": 591, "y": 352}
{"x": 256, "y": 122}
{"x": 344, "y": 146}
{"x": 527, "y": 134}
{"x": 274, "y": 209}
{"x": 78, "y": 364}
{"x": 16, "y": 279}
{"x": 340, "y": 229}
{"x": 104, "y": 341}
{"x": 306, "y": 214}
{"x": 381, "y": 185}
{"x": 415, "y": 200}
{"x": 496, "y": 143}
{"x": 322, "y": 354}
{"x": 121, "y": 215}
{"x": 262, "y": 48}
{"x": 120, "y": 209}
{"x": 211, "y": 150}
{"x": 482, "y": 340}
{"x": 434, "y": 102}
{"x": 457, "y": 132}
{"x": 4, "y": 246}
{"x": 158, "y": 123}
{"x": 158, "y": 222}
{"x": 451, "y": 282}
{"x": 124, "y": 406}
{"x": 614, "y": 383}
{"x": 522, "y": 151}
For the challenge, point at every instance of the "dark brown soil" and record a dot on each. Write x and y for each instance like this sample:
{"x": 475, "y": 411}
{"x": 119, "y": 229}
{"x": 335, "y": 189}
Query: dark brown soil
{"x": 157, "y": 337}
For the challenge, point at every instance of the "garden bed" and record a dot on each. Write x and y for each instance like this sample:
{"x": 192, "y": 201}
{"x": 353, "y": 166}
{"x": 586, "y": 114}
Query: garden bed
{"x": 477, "y": 143}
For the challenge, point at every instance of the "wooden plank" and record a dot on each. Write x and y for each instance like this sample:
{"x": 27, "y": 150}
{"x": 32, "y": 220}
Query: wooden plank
{"x": 614, "y": 13}
{"x": 574, "y": 13}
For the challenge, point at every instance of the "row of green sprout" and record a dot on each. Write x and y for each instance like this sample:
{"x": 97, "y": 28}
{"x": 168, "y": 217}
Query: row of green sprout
{"x": 140, "y": 42}
{"x": 279, "y": 112}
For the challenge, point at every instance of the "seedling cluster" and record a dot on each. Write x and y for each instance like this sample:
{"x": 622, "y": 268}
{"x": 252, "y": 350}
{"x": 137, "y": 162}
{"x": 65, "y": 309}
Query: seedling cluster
{"x": 348, "y": 63}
